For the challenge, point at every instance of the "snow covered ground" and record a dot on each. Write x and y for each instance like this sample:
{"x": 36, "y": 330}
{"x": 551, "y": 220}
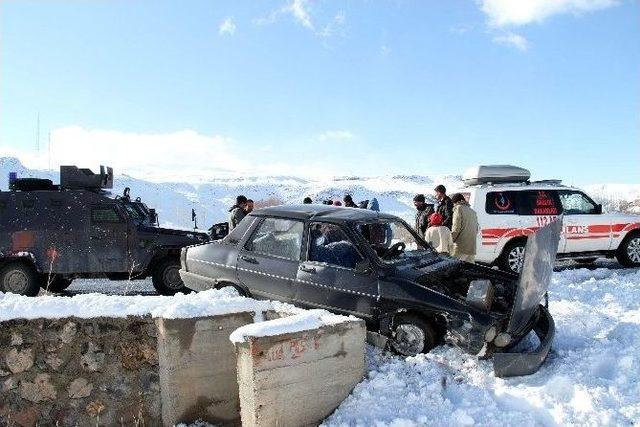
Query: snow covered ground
{"x": 592, "y": 376}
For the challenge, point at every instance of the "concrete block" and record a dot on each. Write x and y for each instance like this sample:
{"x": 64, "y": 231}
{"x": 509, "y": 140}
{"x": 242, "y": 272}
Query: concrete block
{"x": 299, "y": 378}
{"x": 197, "y": 361}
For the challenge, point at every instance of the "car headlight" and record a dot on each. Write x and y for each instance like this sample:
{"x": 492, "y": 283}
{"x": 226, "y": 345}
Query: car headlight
{"x": 502, "y": 340}
{"x": 490, "y": 334}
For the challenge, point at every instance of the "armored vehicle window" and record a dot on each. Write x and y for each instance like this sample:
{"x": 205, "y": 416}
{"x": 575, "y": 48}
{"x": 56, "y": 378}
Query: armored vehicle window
{"x": 539, "y": 202}
{"x": 501, "y": 202}
{"x": 576, "y": 203}
{"x": 329, "y": 244}
{"x": 104, "y": 214}
{"x": 277, "y": 237}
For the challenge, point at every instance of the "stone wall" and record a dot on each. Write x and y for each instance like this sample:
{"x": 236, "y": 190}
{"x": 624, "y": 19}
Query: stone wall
{"x": 71, "y": 371}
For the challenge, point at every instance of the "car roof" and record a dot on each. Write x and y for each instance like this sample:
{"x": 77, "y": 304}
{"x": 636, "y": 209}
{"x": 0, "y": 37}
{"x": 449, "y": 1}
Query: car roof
{"x": 321, "y": 212}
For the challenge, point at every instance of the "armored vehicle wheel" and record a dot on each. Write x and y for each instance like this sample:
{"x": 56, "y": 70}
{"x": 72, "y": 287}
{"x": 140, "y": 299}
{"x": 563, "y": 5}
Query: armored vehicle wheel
{"x": 58, "y": 284}
{"x": 628, "y": 253}
{"x": 166, "y": 278}
{"x": 19, "y": 278}
{"x": 412, "y": 335}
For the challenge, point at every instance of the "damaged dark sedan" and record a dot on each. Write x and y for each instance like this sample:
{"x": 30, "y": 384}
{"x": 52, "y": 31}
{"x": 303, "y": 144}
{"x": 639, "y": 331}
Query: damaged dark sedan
{"x": 374, "y": 266}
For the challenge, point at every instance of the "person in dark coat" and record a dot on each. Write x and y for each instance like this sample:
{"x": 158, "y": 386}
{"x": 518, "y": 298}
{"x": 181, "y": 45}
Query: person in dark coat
{"x": 307, "y": 201}
{"x": 348, "y": 202}
{"x": 237, "y": 212}
{"x": 445, "y": 206}
{"x": 423, "y": 212}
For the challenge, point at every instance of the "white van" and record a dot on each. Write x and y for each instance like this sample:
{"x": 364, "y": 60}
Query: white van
{"x": 510, "y": 207}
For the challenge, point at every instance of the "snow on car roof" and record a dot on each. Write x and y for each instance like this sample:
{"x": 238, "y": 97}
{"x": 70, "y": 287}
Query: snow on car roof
{"x": 327, "y": 212}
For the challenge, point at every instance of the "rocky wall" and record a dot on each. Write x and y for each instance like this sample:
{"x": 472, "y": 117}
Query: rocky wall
{"x": 85, "y": 372}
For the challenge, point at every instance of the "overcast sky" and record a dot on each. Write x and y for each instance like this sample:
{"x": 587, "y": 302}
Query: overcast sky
{"x": 324, "y": 87}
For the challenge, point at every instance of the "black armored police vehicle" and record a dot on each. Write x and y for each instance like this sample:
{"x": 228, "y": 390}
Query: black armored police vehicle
{"x": 51, "y": 234}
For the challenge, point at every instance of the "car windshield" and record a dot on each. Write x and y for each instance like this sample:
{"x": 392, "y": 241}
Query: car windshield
{"x": 392, "y": 240}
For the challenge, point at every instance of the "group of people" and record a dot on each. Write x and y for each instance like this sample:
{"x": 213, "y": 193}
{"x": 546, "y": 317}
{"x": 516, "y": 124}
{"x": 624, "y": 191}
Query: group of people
{"x": 348, "y": 202}
{"x": 450, "y": 225}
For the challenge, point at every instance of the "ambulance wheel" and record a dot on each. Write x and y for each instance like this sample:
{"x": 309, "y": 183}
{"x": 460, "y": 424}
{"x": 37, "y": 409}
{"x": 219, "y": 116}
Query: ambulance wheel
{"x": 512, "y": 258}
{"x": 628, "y": 253}
{"x": 19, "y": 278}
{"x": 166, "y": 278}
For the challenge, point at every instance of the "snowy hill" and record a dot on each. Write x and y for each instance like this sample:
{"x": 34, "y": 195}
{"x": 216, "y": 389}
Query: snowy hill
{"x": 211, "y": 200}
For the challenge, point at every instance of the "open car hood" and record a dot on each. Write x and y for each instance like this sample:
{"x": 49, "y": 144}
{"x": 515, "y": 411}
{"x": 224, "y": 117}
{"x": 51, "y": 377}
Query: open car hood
{"x": 539, "y": 259}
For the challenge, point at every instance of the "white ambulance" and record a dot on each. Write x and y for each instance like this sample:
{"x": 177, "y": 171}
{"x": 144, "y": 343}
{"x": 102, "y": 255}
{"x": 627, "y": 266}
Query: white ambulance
{"x": 510, "y": 207}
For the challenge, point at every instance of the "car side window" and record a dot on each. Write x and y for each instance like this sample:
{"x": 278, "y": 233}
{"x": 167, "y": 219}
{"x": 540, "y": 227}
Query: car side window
{"x": 539, "y": 202}
{"x": 502, "y": 202}
{"x": 576, "y": 203}
{"x": 329, "y": 244}
{"x": 102, "y": 214}
{"x": 277, "y": 237}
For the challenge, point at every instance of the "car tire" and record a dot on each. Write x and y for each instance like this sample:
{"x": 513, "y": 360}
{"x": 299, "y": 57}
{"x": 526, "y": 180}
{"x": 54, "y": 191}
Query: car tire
{"x": 20, "y": 278}
{"x": 512, "y": 258}
{"x": 58, "y": 284}
{"x": 166, "y": 278}
{"x": 412, "y": 335}
{"x": 628, "y": 253}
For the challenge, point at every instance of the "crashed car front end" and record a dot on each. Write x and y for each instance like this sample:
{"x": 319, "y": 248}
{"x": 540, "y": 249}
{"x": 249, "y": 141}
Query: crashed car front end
{"x": 481, "y": 310}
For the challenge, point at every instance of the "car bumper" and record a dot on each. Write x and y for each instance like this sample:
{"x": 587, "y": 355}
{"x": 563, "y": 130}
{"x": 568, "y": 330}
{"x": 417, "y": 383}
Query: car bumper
{"x": 196, "y": 282}
{"x": 516, "y": 364}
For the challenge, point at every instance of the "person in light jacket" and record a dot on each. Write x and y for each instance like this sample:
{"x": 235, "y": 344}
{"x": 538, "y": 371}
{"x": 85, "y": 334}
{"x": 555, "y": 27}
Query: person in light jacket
{"x": 438, "y": 235}
{"x": 465, "y": 229}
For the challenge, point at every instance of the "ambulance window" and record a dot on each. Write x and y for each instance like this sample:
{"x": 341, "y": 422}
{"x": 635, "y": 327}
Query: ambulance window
{"x": 539, "y": 202}
{"x": 576, "y": 203}
{"x": 501, "y": 203}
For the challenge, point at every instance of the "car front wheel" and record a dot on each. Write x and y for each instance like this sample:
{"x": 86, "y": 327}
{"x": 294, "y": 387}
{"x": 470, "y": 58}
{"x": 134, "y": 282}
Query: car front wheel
{"x": 628, "y": 253}
{"x": 412, "y": 335}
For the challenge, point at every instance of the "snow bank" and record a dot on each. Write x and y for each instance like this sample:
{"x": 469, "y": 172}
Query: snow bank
{"x": 303, "y": 321}
{"x": 592, "y": 376}
{"x": 208, "y": 303}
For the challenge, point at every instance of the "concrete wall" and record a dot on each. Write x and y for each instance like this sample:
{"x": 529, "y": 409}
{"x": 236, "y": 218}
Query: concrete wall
{"x": 299, "y": 378}
{"x": 71, "y": 371}
{"x": 198, "y": 369}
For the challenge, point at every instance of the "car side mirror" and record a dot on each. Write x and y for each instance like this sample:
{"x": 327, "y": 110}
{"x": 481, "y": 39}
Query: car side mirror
{"x": 363, "y": 267}
{"x": 598, "y": 209}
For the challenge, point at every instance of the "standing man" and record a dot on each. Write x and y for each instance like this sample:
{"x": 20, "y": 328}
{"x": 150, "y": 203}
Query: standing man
{"x": 237, "y": 212}
{"x": 423, "y": 212}
{"x": 348, "y": 202}
{"x": 465, "y": 229}
{"x": 445, "y": 206}
{"x": 249, "y": 207}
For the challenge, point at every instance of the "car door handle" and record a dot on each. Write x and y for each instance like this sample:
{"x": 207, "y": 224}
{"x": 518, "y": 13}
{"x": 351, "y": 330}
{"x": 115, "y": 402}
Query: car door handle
{"x": 307, "y": 269}
{"x": 249, "y": 259}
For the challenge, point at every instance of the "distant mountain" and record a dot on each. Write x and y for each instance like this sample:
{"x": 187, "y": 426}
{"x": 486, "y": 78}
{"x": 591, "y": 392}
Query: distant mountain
{"x": 212, "y": 200}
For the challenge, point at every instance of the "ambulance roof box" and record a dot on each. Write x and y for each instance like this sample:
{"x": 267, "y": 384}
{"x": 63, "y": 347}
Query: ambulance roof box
{"x": 485, "y": 174}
